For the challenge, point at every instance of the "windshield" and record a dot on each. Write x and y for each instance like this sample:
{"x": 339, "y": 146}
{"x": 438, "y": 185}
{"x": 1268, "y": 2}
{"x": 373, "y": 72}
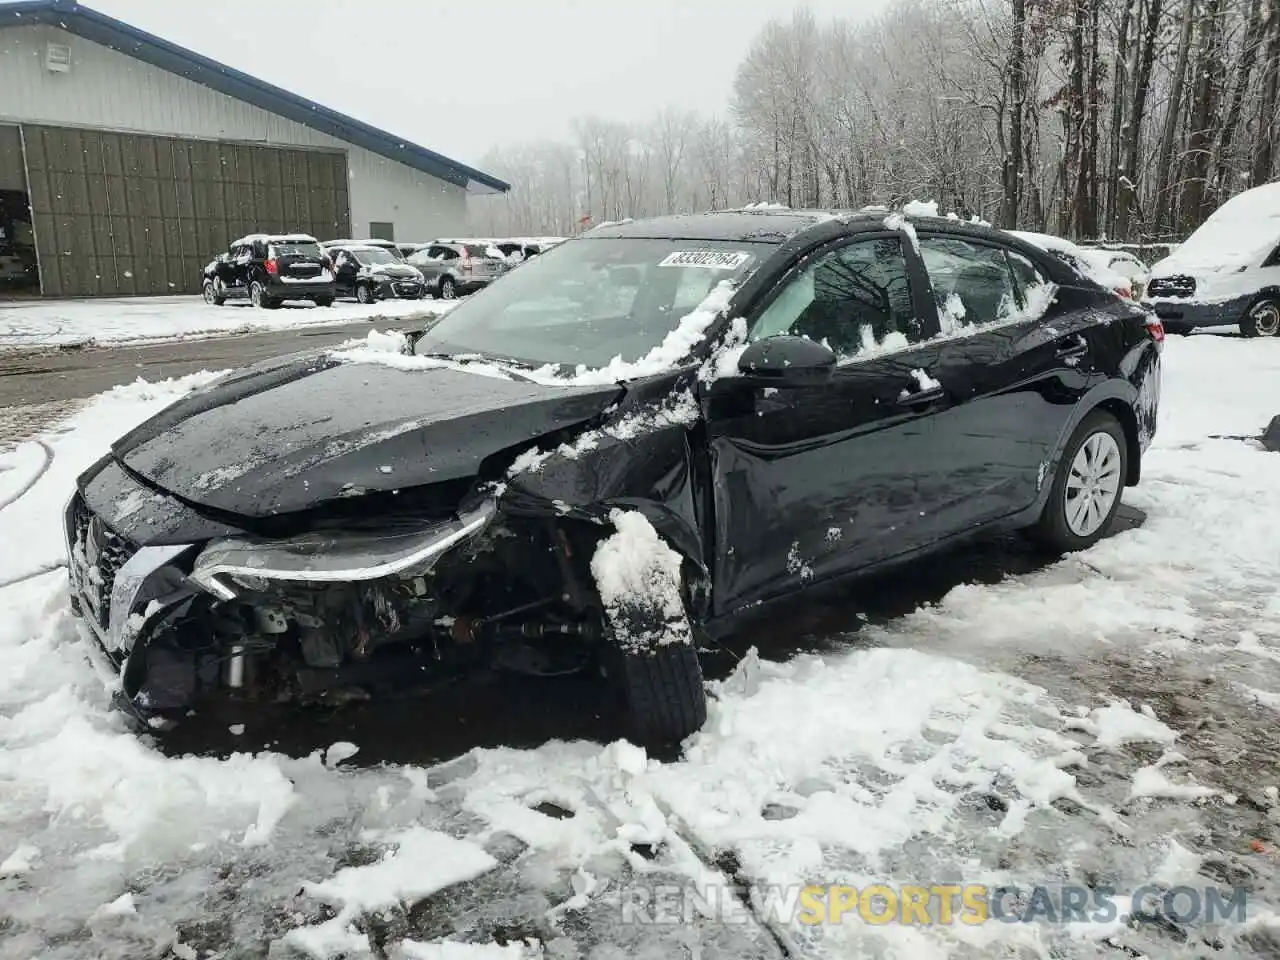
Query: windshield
{"x": 591, "y": 300}
{"x": 375, "y": 255}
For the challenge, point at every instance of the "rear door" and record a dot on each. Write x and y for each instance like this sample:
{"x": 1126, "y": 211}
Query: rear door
{"x": 1014, "y": 357}
{"x": 297, "y": 261}
{"x": 813, "y": 481}
{"x": 238, "y": 269}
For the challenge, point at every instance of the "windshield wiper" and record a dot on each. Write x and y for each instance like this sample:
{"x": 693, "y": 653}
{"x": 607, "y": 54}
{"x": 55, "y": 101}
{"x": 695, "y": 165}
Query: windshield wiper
{"x": 503, "y": 363}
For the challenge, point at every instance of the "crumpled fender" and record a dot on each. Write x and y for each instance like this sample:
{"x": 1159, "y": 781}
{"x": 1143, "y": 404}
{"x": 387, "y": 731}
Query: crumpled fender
{"x": 641, "y": 458}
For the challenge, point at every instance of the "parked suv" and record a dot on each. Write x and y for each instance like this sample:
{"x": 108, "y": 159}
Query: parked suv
{"x": 456, "y": 267}
{"x": 371, "y": 273}
{"x": 268, "y": 269}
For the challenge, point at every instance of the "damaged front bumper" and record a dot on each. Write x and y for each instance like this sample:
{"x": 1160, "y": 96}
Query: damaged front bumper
{"x": 125, "y": 593}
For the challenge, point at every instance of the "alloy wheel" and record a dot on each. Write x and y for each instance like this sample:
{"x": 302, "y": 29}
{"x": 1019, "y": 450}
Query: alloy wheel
{"x": 255, "y": 294}
{"x": 1093, "y": 484}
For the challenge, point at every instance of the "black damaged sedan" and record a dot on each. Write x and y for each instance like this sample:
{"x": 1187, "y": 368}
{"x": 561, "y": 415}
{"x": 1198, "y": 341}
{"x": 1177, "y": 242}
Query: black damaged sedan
{"x": 627, "y": 446}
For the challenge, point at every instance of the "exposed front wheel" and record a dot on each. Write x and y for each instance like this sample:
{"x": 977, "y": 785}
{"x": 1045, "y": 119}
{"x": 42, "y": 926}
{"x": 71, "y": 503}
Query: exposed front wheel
{"x": 650, "y": 655}
{"x": 1262, "y": 320}
{"x": 448, "y": 289}
{"x": 211, "y": 294}
{"x": 364, "y": 293}
{"x": 1086, "y": 489}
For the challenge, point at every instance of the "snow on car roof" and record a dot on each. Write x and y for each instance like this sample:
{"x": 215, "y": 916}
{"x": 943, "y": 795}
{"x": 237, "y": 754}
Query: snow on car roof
{"x": 1240, "y": 232}
{"x": 275, "y": 238}
{"x": 348, "y": 241}
{"x": 1094, "y": 264}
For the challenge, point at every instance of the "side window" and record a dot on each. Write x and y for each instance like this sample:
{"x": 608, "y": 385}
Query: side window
{"x": 855, "y": 299}
{"x": 1024, "y": 273}
{"x": 972, "y": 282}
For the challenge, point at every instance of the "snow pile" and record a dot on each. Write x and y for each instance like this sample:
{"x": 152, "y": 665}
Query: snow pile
{"x": 39, "y": 324}
{"x": 639, "y": 578}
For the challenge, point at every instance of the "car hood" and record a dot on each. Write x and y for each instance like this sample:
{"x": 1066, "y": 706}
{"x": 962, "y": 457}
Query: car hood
{"x": 396, "y": 270}
{"x": 289, "y": 435}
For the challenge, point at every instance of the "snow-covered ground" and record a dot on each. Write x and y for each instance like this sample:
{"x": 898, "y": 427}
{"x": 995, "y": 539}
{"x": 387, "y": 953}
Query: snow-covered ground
{"x": 35, "y": 324}
{"x": 1108, "y": 721}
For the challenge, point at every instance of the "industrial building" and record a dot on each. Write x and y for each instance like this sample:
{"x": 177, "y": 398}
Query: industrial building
{"x": 128, "y": 162}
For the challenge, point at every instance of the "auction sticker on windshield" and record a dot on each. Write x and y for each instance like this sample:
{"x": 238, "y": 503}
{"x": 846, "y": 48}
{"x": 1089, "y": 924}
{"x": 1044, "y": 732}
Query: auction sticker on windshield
{"x": 707, "y": 259}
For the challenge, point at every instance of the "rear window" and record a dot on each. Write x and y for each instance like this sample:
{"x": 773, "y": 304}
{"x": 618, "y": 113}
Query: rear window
{"x": 300, "y": 249}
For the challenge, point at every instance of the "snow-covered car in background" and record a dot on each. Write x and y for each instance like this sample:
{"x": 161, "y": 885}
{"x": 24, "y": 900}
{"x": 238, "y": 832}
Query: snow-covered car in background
{"x": 371, "y": 273}
{"x": 1227, "y": 272}
{"x": 1101, "y": 266}
{"x": 646, "y": 434}
{"x": 1121, "y": 262}
{"x": 388, "y": 245}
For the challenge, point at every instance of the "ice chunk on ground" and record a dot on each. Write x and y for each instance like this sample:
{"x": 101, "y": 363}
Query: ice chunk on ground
{"x": 422, "y": 862}
{"x": 1119, "y": 724}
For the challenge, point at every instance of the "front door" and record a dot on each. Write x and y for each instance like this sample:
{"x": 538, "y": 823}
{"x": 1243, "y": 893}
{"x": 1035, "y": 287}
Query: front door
{"x": 815, "y": 480}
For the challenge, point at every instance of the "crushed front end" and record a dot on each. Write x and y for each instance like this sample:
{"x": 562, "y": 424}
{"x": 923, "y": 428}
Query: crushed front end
{"x": 352, "y": 611}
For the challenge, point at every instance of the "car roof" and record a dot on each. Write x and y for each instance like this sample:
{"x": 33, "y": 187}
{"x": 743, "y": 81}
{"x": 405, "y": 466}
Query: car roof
{"x": 761, "y": 226}
{"x": 275, "y": 238}
{"x": 347, "y": 242}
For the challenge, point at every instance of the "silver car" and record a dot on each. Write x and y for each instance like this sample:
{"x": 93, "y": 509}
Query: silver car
{"x": 452, "y": 268}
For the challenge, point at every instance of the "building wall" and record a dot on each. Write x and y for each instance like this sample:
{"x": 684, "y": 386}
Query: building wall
{"x": 107, "y": 89}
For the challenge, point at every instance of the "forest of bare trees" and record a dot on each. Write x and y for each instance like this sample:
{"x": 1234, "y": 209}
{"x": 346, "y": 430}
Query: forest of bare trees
{"x": 1126, "y": 119}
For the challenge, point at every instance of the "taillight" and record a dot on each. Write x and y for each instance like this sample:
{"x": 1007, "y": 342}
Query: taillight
{"x": 272, "y": 266}
{"x": 1155, "y": 328}
{"x": 466, "y": 264}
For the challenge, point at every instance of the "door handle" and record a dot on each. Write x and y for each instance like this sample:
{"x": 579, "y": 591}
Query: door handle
{"x": 1072, "y": 349}
{"x": 921, "y": 398}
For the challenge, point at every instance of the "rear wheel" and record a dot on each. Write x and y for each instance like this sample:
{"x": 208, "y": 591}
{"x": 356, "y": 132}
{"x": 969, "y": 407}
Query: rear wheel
{"x": 211, "y": 295}
{"x": 364, "y": 293}
{"x": 1086, "y": 489}
{"x": 448, "y": 289}
{"x": 1262, "y": 320}
{"x": 259, "y": 298}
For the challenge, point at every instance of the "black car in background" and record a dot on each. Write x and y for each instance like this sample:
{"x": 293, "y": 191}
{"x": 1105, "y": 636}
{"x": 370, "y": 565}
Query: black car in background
{"x": 371, "y": 273}
{"x": 636, "y": 441}
{"x": 269, "y": 269}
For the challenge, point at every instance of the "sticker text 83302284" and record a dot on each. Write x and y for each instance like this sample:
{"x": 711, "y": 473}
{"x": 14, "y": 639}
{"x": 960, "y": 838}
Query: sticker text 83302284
{"x": 707, "y": 259}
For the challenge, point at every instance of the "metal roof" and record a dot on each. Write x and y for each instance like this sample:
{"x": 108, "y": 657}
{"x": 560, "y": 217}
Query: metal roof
{"x": 99, "y": 28}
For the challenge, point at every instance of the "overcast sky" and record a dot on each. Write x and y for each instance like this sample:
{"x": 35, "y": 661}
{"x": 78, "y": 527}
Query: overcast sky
{"x": 460, "y": 77}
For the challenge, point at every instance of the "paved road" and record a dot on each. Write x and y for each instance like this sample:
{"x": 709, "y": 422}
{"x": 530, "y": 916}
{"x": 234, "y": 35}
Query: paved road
{"x": 39, "y": 388}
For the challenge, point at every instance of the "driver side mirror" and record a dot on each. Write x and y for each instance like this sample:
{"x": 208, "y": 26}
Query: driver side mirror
{"x": 786, "y": 361}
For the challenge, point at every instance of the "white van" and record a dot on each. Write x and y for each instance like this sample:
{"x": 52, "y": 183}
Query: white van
{"x": 1227, "y": 272}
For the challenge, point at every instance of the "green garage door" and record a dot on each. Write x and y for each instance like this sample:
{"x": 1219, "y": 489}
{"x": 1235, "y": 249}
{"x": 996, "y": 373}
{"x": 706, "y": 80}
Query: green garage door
{"x": 120, "y": 214}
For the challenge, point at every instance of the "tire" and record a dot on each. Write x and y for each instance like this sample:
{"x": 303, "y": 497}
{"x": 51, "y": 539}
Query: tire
{"x": 211, "y": 294}
{"x": 1262, "y": 320}
{"x": 258, "y": 297}
{"x": 659, "y": 684}
{"x": 324, "y": 301}
{"x": 448, "y": 289}
{"x": 1100, "y": 438}
{"x": 364, "y": 294}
